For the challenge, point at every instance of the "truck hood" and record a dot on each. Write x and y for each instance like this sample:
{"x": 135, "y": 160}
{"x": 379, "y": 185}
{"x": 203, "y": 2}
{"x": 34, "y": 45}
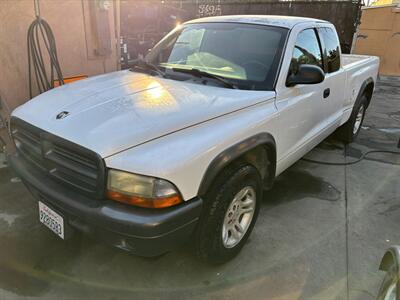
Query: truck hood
{"x": 116, "y": 111}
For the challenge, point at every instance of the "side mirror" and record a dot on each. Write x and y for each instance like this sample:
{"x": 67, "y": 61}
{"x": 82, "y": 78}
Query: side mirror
{"x": 306, "y": 74}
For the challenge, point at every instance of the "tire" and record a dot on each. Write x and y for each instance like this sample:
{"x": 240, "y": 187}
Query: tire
{"x": 220, "y": 215}
{"x": 389, "y": 285}
{"x": 349, "y": 130}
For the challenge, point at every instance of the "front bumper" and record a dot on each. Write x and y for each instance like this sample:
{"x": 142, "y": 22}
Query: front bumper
{"x": 142, "y": 231}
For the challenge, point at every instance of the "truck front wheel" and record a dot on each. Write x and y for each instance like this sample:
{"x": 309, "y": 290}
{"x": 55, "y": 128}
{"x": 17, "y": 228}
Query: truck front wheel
{"x": 230, "y": 211}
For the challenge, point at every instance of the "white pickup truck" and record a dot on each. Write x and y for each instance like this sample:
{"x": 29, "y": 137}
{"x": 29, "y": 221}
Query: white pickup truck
{"x": 182, "y": 145}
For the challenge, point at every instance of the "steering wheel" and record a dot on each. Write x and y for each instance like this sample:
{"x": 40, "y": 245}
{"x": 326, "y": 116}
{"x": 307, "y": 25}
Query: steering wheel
{"x": 255, "y": 67}
{"x": 255, "y": 62}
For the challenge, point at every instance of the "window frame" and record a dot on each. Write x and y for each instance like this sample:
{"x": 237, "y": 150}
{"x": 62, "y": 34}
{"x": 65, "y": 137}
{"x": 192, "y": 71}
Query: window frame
{"x": 320, "y": 45}
{"x": 325, "y": 55}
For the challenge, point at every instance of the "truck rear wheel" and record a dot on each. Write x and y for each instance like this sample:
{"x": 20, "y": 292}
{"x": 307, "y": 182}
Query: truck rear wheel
{"x": 231, "y": 209}
{"x": 349, "y": 130}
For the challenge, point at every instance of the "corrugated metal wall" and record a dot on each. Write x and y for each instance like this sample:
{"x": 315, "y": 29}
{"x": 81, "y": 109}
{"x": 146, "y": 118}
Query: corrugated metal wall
{"x": 379, "y": 34}
{"x": 145, "y": 22}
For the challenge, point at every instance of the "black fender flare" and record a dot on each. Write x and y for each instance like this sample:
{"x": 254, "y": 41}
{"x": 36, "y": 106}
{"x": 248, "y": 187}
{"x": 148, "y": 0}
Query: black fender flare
{"x": 363, "y": 89}
{"x": 232, "y": 153}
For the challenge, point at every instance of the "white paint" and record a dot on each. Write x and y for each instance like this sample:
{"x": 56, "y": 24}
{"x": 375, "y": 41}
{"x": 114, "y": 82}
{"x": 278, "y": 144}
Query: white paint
{"x": 8, "y": 218}
{"x": 390, "y": 130}
{"x": 15, "y": 180}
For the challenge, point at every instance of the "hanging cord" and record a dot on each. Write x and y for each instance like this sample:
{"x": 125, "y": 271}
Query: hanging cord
{"x": 4, "y": 110}
{"x": 3, "y": 126}
{"x": 39, "y": 34}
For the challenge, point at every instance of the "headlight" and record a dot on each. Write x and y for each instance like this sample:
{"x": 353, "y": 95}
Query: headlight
{"x": 141, "y": 190}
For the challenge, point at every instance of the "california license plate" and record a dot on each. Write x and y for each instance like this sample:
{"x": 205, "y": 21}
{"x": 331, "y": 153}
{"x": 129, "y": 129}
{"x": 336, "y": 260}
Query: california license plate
{"x": 51, "y": 219}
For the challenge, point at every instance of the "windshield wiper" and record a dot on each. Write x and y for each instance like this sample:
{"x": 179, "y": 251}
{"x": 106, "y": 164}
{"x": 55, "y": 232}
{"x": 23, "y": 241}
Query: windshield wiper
{"x": 145, "y": 65}
{"x": 200, "y": 73}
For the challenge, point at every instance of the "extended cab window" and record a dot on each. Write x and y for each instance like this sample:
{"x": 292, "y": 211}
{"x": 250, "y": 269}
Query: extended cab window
{"x": 306, "y": 51}
{"x": 331, "y": 43}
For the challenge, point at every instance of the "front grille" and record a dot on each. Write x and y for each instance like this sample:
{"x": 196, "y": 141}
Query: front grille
{"x": 61, "y": 160}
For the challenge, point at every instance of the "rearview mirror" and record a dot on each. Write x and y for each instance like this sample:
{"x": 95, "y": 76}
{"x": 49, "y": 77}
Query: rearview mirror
{"x": 306, "y": 74}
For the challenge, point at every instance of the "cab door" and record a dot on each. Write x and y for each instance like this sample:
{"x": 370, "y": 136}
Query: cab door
{"x": 301, "y": 106}
{"x": 335, "y": 77}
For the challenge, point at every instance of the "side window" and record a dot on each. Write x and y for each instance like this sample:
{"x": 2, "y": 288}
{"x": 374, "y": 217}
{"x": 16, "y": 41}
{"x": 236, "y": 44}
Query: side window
{"x": 306, "y": 51}
{"x": 331, "y": 44}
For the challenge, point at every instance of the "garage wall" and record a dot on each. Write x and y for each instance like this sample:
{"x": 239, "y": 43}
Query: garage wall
{"x": 76, "y": 29}
{"x": 379, "y": 34}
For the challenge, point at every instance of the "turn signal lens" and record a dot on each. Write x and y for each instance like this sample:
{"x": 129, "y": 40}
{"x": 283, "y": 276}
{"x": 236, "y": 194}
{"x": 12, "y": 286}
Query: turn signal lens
{"x": 141, "y": 190}
{"x": 145, "y": 202}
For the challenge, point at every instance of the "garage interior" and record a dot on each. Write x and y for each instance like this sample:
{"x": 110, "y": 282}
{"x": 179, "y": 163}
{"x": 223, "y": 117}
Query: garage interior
{"x": 322, "y": 229}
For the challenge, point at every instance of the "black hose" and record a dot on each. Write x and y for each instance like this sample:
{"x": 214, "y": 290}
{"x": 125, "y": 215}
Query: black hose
{"x": 3, "y": 126}
{"x": 350, "y": 162}
{"x": 39, "y": 35}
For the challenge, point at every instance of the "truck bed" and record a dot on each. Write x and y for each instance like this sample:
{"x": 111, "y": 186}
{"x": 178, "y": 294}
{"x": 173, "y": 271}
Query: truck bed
{"x": 349, "y": 60}
{"x": 359, "y": 69}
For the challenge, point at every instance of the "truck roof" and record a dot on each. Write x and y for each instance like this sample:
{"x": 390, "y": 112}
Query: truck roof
{"x": 273, "y": 20}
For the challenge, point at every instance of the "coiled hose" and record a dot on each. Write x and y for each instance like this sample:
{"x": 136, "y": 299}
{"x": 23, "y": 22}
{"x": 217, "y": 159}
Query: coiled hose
{"x": 40, "y": 36}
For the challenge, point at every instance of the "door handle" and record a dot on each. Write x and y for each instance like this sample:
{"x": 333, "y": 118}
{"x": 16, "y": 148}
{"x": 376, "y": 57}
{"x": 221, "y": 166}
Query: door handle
{"x": 327, "y": 92}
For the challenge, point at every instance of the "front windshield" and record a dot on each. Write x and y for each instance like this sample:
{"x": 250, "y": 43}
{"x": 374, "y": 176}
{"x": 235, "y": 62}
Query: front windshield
{"x": 246, "y": 55}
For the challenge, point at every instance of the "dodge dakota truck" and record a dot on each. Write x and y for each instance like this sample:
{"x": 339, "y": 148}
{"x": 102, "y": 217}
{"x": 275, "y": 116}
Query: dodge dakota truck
{"x": 181, "y": 146}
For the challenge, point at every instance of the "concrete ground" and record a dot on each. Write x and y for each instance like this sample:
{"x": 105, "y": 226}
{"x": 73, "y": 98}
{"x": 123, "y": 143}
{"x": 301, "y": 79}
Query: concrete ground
{"x": 321, "y": 233}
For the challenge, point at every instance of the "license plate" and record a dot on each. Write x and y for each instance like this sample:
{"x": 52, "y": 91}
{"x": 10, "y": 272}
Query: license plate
{"x": 51, "y": 219}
